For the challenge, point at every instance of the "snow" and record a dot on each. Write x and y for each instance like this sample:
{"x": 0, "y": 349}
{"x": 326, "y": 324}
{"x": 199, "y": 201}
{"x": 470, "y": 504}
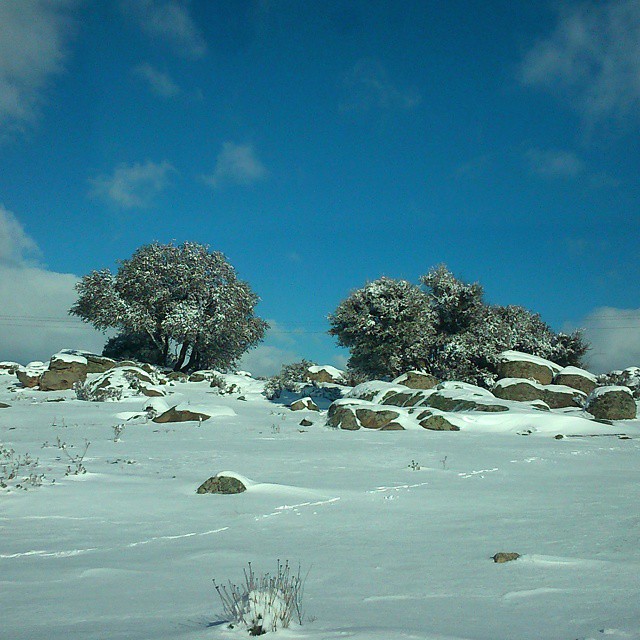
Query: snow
{"x": 518, "y": 356}
{"x": 600, "y": 391}
{"x": 128, "y": 550}
{"x": 509, "y": 382}
{"x": 65, "y": 356}
{"x": 576, "y": 371}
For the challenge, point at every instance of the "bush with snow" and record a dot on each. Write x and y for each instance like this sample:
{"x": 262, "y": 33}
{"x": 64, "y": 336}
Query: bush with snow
{"x": 291, "y": 378}
{"x": 182, "y": 295}
{"x": 448, "y": 330}
{"x": 264, "y": 603}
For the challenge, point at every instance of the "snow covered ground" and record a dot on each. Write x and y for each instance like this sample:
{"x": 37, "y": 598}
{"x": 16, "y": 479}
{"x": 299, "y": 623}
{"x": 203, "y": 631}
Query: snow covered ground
{"x": 396, "y": 529}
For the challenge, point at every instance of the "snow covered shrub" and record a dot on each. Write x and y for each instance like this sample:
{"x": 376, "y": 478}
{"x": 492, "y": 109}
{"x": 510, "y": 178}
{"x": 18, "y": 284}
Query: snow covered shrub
{"x": 89, "y": 393}
{"x": 176, "y": 295}
{"x": 265, "y": 603}
{"x": 290, "y": 378}
{"x": 447, "y": 330}
{"x": 20, "y": 472}
{"x": 387, "y": 325}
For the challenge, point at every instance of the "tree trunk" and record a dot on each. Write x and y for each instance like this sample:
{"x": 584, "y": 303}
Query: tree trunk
{"x": 181, "y": 356}
{"x": 165, "y": 351}
{"x": 194, "y": 361}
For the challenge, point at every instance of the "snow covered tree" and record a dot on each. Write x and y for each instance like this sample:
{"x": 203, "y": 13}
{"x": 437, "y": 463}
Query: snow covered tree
{"x": 387, "y": 325}
{"x": 176, "y": 295}
{"x": 391, "y": 326}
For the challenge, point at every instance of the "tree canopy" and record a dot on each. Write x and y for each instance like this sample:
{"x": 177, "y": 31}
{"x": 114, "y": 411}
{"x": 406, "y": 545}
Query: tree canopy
{"x": 180, "y": 296}
{"x": 446, "y": 328}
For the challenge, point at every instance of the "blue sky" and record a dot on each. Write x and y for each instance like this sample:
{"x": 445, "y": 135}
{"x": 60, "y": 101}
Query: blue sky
{"x": 321, "y": 145}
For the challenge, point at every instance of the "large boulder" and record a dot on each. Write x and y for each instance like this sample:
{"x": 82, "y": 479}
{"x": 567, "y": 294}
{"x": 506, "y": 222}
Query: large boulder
{"x": 119, "y": 383}
{"x": 30, "y": 375}
{"x": 558, "y": 396}
{"x": 65, "y": 369}
{"x": 515, "y": 364}
{"x": 436, "y": 422}
{"x": 95, "y": 363}
{"x": 612, "y": 403}
{"x": 417, "y": 380}
{"x": 518, "y": 389}
{"x": 576, "y": 378}
{"x": 353, "y": 416}
{"x": 181, "y": 414}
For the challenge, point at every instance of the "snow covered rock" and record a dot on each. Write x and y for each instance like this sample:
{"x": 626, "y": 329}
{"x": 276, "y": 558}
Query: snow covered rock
{"x": 436, "y": 422}
{"x": 181, "y": 414}
{"x": 417, "y": 380}
{"x": 65, "y": 369}
{"x": 30, "y": 375}
{"x": 629, "y": 377}
{"x": 515, "y": 364}
{"x": 577, "y": 379}
{"x": 304, "y": 403}
{"x": 612, "y": 403}
{"x": 9, "y": 367}
{"x": 518, "y": 389}
{"x": 555, "y": 396}
{"x": 464, "y": 397}
{"x": 220, "y": 483}
{"x": 118, "y": 383}
{"x": 343, "y": 416}
{"x": 95, "y": 363}
{"x": 324, "y": 373}
{"x": 558, "y": 396}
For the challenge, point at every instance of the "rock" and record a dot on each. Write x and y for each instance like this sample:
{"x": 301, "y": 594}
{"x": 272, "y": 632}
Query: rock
{"x": 65, "y": 369}
{"x": 576, "y": 379}
{"x": 518, "y": 389}
{"x": 127, "y": 363}
{"x": 416, "y": 380}
{"x": 343, "y": 417}
{"x": 505, "y": 557}
{"x": 99, "y": 364}
{"x": 151, "y": 391}
{"x": 561, "y": 396}
{"x": 9, "y": 367}
{"x": 304, "y": 403}
{"x": 221, "y": 484}
{"x": 438, "y": 423}
{"x": 198, "y": 376}
{"x": 629, "y": 377}
{"x": 392, "y": 426}
{"x": 305, "y": 423}
{"x": 611, "y": 403}
{"x": 558, "y": 437}
{"x": 324, "y": 373}
{"x": 181, "y": 415}
{"x": 4, "y": 406}
{"x": 400, "y": 399}
{"x": 514, "y": 364}
{"x": 374, "y": 419}
{"x": 29, "y": 376}
{"x": 178, "y": 376}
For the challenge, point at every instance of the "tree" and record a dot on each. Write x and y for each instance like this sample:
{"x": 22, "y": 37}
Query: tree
{"x": 387, "y": 325}
{"x": 447, "y": 329}
{"x": 183, "y": 296}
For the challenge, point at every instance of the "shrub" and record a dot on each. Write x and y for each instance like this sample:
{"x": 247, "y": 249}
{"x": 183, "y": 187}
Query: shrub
{"x": 290, "y": 378}
{"x": 264, "y": 603}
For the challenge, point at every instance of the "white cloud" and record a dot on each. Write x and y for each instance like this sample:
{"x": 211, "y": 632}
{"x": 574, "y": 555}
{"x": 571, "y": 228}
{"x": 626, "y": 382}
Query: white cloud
{"x": 34, "y": 302}
{"x": 555, "y": 163}
{"x": 170, "y": 21}
{"x": 159, "y": 82}
{"x": 614, "y": 335}
{"x": 267, "y": 360}
{"x": 236, "y": 164}
{"x": 133, "y": 186}
{"x": 16, "y": 247}
{"x": 368, "y": 85}
{"x": 592, "y": 57}
{"x": 32, "y": 49}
